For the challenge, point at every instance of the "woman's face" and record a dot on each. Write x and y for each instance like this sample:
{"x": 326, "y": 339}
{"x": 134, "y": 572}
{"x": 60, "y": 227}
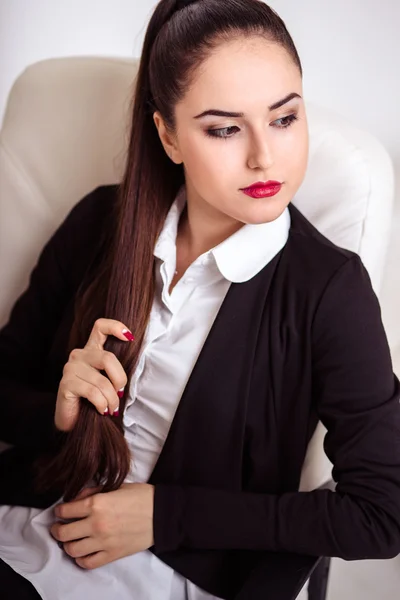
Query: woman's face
{"x": 222, "y": 154}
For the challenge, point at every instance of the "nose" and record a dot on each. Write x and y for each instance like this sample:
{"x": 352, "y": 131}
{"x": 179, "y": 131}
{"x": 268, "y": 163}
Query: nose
{"x": 260, "y": 153}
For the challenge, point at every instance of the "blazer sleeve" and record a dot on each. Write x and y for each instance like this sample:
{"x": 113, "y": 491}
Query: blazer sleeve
{"x": 357, "y": 397}
{"x": 27, "y": 404}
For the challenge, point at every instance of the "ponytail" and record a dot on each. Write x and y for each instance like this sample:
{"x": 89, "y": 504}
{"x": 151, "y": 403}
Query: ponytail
{"x": 179, "y": 37}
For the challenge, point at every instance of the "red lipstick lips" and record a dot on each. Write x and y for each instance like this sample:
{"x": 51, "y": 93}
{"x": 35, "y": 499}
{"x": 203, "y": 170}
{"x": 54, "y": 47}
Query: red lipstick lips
{"x": 262, "y": 189}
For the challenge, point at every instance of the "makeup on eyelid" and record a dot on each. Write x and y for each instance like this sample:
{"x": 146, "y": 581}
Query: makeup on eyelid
{"x": 214, "y": 133}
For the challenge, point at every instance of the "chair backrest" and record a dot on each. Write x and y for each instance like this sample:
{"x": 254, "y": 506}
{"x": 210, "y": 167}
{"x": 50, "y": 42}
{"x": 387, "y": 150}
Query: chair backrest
{"x": 65, "y": 132}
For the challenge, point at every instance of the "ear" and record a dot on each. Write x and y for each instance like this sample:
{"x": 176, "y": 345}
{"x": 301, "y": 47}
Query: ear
{"x": 167, "y": 140}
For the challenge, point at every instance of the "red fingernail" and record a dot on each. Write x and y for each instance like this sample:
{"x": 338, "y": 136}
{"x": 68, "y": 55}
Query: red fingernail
{"x": 128, "y": 335}
{"x": 106, "y": 412}
{"x": 121, "y": 393}
{"x": 116, "y": 412}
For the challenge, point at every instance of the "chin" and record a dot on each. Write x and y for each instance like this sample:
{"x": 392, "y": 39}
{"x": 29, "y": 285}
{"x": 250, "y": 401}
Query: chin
{"x": 266, "y": 212}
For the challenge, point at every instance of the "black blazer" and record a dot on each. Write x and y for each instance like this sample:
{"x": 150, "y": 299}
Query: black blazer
{"x": 301, "y": 341}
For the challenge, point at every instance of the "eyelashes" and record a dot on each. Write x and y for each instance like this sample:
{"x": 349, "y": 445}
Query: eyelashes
{"x": 219, "y": 133}
{"x": 290, "y": 119}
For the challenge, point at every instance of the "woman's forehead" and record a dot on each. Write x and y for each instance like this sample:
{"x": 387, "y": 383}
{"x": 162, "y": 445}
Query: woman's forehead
{"x": 241, "y": 76}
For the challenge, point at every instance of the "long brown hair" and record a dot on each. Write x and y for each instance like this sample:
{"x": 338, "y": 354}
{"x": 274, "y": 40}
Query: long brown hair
{"x": 179, "y": 37}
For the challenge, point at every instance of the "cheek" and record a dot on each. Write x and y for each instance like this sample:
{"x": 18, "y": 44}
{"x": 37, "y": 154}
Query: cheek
{"x": 294, "y": 156}
{"x": 208, "y": 162}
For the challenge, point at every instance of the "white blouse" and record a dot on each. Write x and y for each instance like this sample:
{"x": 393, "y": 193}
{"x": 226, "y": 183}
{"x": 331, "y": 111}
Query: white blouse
{"x": 178, "y": 326}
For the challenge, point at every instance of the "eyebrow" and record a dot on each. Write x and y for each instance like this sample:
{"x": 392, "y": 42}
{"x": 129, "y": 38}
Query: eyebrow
{"x": 223, "y": 113}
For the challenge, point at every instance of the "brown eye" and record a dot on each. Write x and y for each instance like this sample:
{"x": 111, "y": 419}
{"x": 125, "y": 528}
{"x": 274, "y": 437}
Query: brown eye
{"x": 286, "y": 121}
{"x": 219, "y": 133}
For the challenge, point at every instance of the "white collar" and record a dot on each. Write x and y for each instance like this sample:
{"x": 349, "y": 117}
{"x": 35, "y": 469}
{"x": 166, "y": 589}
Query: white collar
{"x": 242, "y": 255}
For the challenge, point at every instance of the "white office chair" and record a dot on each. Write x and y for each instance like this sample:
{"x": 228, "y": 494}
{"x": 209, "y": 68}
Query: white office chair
{"x": 65, "y": 132}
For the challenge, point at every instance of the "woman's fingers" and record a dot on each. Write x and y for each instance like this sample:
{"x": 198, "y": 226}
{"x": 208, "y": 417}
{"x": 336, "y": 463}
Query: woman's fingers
{"x": 79, "y": 548}
{"x": 105, "y": 327}
{"x": 82, "y": 377}
{"x": 71, "y": 534}
{"x": 101, "y": 360}
{"x": 84, "y": 371}
{"x": 71, "y": 390}
{"x": 67, "y": 532}
{"x": 83, "y": 381}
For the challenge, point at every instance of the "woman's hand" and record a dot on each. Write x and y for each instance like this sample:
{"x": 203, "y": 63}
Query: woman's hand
{"x": 111, "y": 525}
{"x": 82, "y": 377}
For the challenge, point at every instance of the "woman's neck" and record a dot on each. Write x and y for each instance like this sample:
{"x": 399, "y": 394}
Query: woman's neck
{"x": 200, "y": 230}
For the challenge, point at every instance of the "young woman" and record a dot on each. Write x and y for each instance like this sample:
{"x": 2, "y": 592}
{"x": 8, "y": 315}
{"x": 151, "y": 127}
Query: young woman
{"x": 182, "y": 335}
